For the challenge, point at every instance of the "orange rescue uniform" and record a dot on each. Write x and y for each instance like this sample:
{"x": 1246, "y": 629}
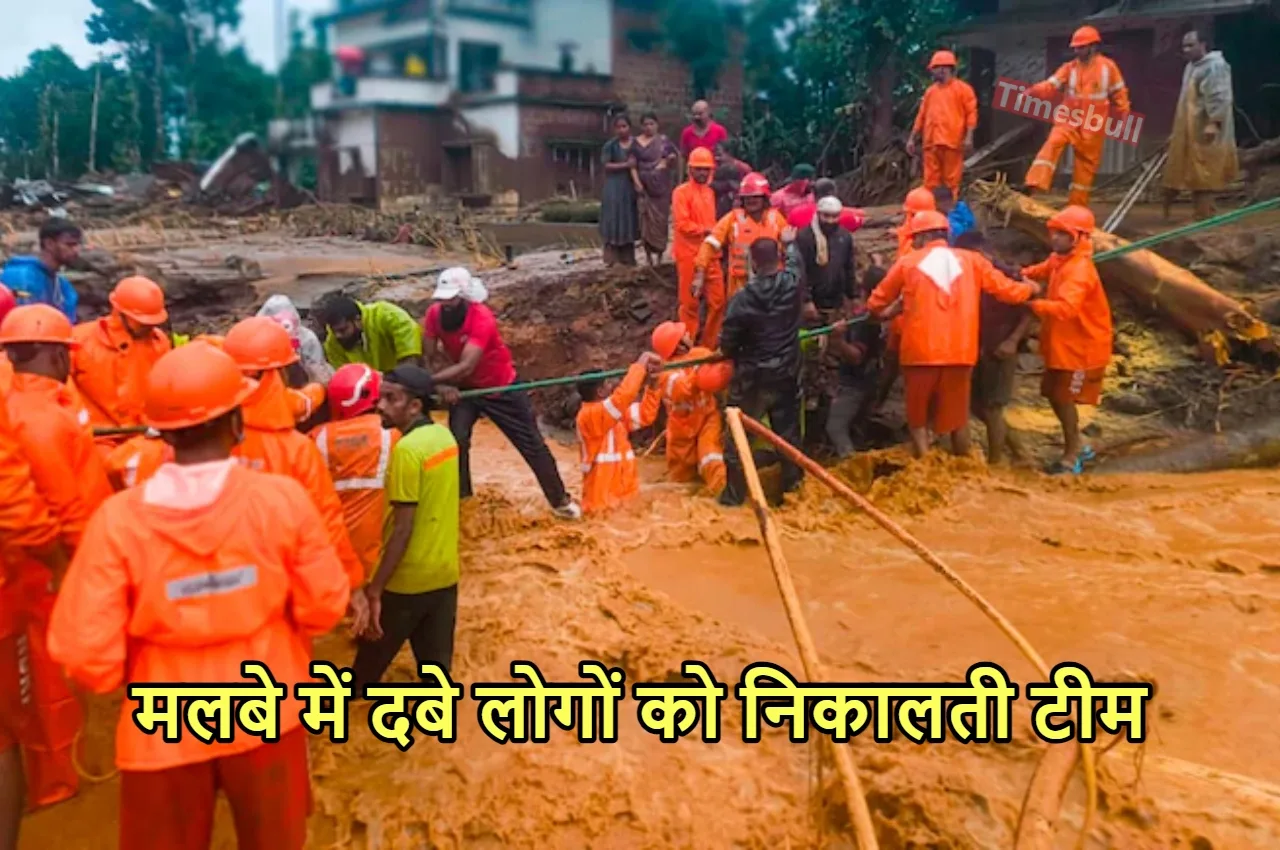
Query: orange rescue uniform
{"x": 272, "y": 444}
{"x": 693, "y": 215}
{"x": 182, "y": 580}
{"x": 110, "y": 371}
{"x": 306, "y": 401}
{"x": 734, "y": 234}
{"x": 604, "y": 434}
{"x": 136, "y": 460}
{"x": 948, "y": 111}
{"x": 1090, "y": 90}
{"x": 941, "y": 289}
{"x": 357, "y": 452}
{"x": 1075, "y": 325}
{"x": 695, "y": 443}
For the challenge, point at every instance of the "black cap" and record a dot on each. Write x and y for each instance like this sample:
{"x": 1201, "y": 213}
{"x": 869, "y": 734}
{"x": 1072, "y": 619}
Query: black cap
{"x": 416, "y": 380}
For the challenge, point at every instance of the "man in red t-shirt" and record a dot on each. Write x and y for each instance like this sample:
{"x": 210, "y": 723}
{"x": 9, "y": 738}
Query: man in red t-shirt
{"x": 851, "y": 218}
{"x": 458, "y": 328}
{"x": 703, "y": 132}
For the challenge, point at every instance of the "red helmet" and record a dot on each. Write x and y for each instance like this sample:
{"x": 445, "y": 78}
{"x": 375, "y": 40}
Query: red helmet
{"x": 353, "y": 390}
{"x": 754, "y": 184}
{"x": 7, "y": 302}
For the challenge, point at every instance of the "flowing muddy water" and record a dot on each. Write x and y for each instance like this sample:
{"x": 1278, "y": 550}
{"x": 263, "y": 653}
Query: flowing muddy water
{"x": 1174, "y": 580}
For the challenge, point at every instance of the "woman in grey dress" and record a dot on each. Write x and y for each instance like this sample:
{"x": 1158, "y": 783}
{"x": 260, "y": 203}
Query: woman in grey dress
{"x": 619, "y": 218}
{"x": 657, "y": 161}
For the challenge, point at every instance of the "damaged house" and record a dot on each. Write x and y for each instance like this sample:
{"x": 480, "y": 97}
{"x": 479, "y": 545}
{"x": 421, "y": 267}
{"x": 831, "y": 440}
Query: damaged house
{"x": 480, "y": 98}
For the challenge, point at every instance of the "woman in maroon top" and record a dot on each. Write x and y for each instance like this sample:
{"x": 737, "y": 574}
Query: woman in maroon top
{"x": 463, "y": 330}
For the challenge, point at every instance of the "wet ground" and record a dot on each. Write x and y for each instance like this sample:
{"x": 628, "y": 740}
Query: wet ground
{"x": 1172, "y": 580}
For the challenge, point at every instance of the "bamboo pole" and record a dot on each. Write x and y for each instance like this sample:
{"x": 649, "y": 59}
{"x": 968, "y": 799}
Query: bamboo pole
{"x": 856, "y": 801}
{"x": 841, "y": 489}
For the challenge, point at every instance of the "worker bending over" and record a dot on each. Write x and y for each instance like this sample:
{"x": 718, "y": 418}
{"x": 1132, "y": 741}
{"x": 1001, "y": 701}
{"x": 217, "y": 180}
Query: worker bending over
{"x": 270, "y": 443}
{"x": 115, "y": 354}
{"x": 462, "y": 332}
{"x": 762, "y": 337}
{"x": 693, "y": 214}
{"x": 610, "y": 412}
{"x": 940, "y": 289}
{"x": 695, "y": 445}
{"x": 206, "y": 565}
{"x": 733, "y": 236}
{"x": 1092, "y": 84}
{"x": 413, "y": 595}
{"x": 379, "y": 334}
{"x": 357, "y": 449}
{"x": 1075, "y": 329}
{"x": 945, "y": 123}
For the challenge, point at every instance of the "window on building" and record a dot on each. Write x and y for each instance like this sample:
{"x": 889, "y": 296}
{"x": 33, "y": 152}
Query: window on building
{"x": 426, "y": 58}
{"x": 477, "y": 66}
{"x": 575, "y": 157}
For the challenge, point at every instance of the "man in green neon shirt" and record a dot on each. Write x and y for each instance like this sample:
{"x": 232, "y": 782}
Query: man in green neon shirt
{"x": 379, "y": 334}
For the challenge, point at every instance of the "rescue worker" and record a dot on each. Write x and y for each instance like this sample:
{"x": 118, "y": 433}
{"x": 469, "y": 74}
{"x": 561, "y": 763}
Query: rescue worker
{"x": 36, "y": 279}
{"x": 270, "y": 443}
{"x": 693, "y": 214}
{"x": 357, "y": 449}
{"x": 28, "y": 531}
{"x": 413, "y": 596}
{"x": 137, "y": 459}
{"x": 695, "y": 446}
{"x": 1202, "y": 145}
{"x": 610, "y": 412}
{"x": 379, "y": 334}
{"x": 918, "y": 200}
{"x": 139, "y": 605}
{"x": 733, "y": 236}
{"x": 1075, "y": 329}
{"x": 115, "y": 354}
{"x": 945, "y": 122}
{"x": 1091, "y": 83}
{"x": 940, "y": 289}
{"x": 762, "y": 337}
{"x": 463, "y": 333}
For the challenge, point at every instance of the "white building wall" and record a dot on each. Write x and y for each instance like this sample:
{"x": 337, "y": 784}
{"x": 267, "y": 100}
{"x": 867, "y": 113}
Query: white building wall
{"x": 356, "y": 128}
{"x": 502, "y": 120}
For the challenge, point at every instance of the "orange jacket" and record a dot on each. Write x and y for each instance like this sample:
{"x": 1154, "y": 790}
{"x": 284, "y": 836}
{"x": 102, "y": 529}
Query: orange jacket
{"x": 941, "y": 289}
{"x": 25, "y": 519}
{"x": 140, "y": 603}
{"x": 65, "y": 464}
{"x": 306, "y": 401}
{"x": 604, "y": 433}
{"x": 687, "y": 406}
{"x": 272, "y": 444}
{"x": 1097, "y": 84}
{"x": 1075, "y": 318}
{"x": 110, "y": 370}
{"x": 947, "y": 112}
{"x": 693, "y": 214}
{"x": 735, "y": 233}
{"x": 136, "y": 460}
{"x": 357, "y": 451}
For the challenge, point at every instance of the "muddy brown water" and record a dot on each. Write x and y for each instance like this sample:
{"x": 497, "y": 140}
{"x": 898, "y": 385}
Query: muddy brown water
{"x": 1170, "y": 579}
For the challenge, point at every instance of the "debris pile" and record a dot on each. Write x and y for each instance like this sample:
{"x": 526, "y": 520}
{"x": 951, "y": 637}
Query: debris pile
{"x": 443, "y": 232}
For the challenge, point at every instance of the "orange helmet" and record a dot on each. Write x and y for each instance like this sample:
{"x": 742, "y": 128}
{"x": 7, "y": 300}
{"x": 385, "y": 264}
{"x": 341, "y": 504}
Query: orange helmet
{"x": 667, "y": 338}
{"x": 714, "y": 377}
{"x": 919, "y": 199}
{"x": 191, "y": 385}
{"x": 36, "y": 323}
{"x": 211, "y": 339}
{"x": 7, "y": 302}
{"x": 753, "y": 184}
{"x": 1085, "y": 36}
{"x": 353, "y": 390}
{"x": 942, "y": 59}
{"x": 260, "y": 343}
{"x": 140, "y": 299}
{"x": 701, "y": 158}
{"x": 923, "y": 222}
{"x": 1076, "y": 220}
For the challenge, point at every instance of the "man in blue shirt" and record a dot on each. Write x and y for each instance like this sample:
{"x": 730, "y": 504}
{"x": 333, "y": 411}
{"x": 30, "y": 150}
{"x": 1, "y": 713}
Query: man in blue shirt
{"x": 958, "y": 214}
{"x": 35, "y": 280}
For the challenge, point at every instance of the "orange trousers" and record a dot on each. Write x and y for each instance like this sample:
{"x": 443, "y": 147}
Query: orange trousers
{"x": 943, "y": 166}
{"x": 268, "y": 787}
{"x": 695, "y": 448}
{"x": 1087, "y": 148}
{"x": 690, "y": 306}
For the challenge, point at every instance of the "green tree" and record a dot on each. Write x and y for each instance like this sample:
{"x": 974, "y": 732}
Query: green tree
{"x": 696, "y": 32}
{"x": 305, "y": 66}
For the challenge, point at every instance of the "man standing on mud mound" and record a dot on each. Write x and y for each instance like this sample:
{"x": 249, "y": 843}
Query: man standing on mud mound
{"x": 762, "y": 337}
{"x": 945, "y": 123}
{"x": 467, "y": 331}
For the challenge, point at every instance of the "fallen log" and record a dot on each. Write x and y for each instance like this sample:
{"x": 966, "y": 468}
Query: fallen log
{"x": 1145, "y": 277}
{"x": 1257, "y": 155}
